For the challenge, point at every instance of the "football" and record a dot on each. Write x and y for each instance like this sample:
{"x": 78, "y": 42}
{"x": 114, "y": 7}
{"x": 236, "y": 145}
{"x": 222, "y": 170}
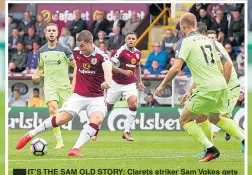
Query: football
{"x": 39, "y": 147}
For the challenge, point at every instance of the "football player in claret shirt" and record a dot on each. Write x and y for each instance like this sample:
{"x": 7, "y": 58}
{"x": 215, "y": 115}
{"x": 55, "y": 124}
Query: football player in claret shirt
{"x": 93, "y": 74}
{"x": 126, "y": 70}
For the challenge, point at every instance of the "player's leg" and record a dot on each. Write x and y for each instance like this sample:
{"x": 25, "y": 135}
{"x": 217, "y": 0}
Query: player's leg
{"x": 233, "y": 96}
{"x": 113, "y": 94}
{"x": 51, "y": 99}
{"x": 96, "y": 111}
{"x": 130, "y": 93}
{"x": 53, "y": 107}
{"x": 70, "y": 108}
{"x": 47, "y": 124}
{"x": 199, "y": 103}
{"x": 205, "y": 125}
{"x": 131, "y": 116}
{"x": 187, "y": 120}
{"x": 228, "y": 125}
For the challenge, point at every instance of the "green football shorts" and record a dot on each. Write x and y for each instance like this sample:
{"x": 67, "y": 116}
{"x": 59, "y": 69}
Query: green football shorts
{"x": 208, "y": 102}
{"x": 233, "y": 96}
{"x": 57, "y": 94}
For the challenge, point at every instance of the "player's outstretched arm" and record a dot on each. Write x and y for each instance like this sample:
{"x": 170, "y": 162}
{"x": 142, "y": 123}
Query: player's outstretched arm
{"x": 118, "y": 70}
{"x": 107, "y": 69}
{"x": 227, "y": 66}
{"x": 37, "y": 74}
{"x": 172, "y": 73}
{"x": 139, "y": 78}
{"x": 225, "y": 63}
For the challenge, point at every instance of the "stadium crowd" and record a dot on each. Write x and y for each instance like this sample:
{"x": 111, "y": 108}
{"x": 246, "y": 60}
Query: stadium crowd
{"x": 26, "y": 36}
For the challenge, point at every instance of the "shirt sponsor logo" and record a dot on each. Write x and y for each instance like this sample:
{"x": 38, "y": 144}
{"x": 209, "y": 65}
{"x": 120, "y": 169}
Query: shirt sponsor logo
{"x": 133, "y": 61}
{"x": 82, "y": 71}
{"x": 52, "y": 62}
{"x": 86, "y": 66}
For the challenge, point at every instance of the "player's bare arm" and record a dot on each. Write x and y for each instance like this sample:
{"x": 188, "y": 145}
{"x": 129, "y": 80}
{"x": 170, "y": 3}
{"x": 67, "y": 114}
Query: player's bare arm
{"x": 36, "y": 76}
{"x": 73, "y": 64}
{"x": 117, "y": 70}
{"x": 227, "y": 66}
{"x": 172, "y": 73}
{"x": 139, "y": 78}
{"x": 107, "y": 69}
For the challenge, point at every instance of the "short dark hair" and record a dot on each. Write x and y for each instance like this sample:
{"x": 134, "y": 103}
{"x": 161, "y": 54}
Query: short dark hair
{"x": 20, "y": 42}
{"x": 201, "y": 27}
{"x": 131, "y": 33}
{"x": 85, "y": 36}
{"x": 102, "y": 42}
{"x": 116, "y": 10}
{"x": 51, "y": 24}
{"x": 36, "y": 89}
{"x": 150, "y": 94}
{"x": 211, "y": 32}
{"x": 17, "y": 90}
{"x": 37, "y": 42}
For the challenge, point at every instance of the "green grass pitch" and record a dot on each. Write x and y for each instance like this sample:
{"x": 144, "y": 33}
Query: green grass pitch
{"x": 151, "y": 150}
{"x": 2, "y": 131}
{"x": 249, "y": 132}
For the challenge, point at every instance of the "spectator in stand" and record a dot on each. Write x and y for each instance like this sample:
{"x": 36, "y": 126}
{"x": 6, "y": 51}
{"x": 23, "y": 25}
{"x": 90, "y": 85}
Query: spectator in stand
{"x": 13, "y": 40}
{"x": 196, "y": 8}
{"x": 78, "y": 24}
{"x": 228, "y": 7}
{"x": 205, "y": 18}
{"x": 101, "y": 38}
{"x": 11, "y": 25}
{"x": 220, "y": 25}
{"x": 157, "y": 54}
{"x": 32, "y": 9}
{"x": 241, "y": 100}
{"x": 18, "y": 59}
{"x": 40, "y": 25}
{"x": 168, "y": 41}
{"x": 155, "y": 69}
{"x": 16, "y": 101}
{"x": 132, "y": 24}
{"x": 30, "y": 38}
{"x": 116, "y": 21}
{"x": 214, "y": 8}
{"x": 66, "y": 39}
{"x": 100, "y": 24}
{"x": 36, "y": 101}
{"x": 151, "y": 102}
{"x": 230, "y": 51}
{"x": 116, "y": 40}
{"x": 60, "y": 24}
{"x": 103, "y": 47}
{"x": 33, "y": 59}
{"x": 236, "y": 29}
{"x": 25, "y": 24}
{"x": 240, "y": 61}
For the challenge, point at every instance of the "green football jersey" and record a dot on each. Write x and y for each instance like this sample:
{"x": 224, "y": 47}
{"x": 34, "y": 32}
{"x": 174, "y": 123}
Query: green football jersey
{"x": 55, "y": 63}
{"x": 200, "y": 55}
{"x": 233, "y": 81}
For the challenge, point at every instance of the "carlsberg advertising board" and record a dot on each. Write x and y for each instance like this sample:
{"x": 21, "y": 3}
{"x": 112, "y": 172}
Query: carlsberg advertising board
{"x": 159, "y": 118}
